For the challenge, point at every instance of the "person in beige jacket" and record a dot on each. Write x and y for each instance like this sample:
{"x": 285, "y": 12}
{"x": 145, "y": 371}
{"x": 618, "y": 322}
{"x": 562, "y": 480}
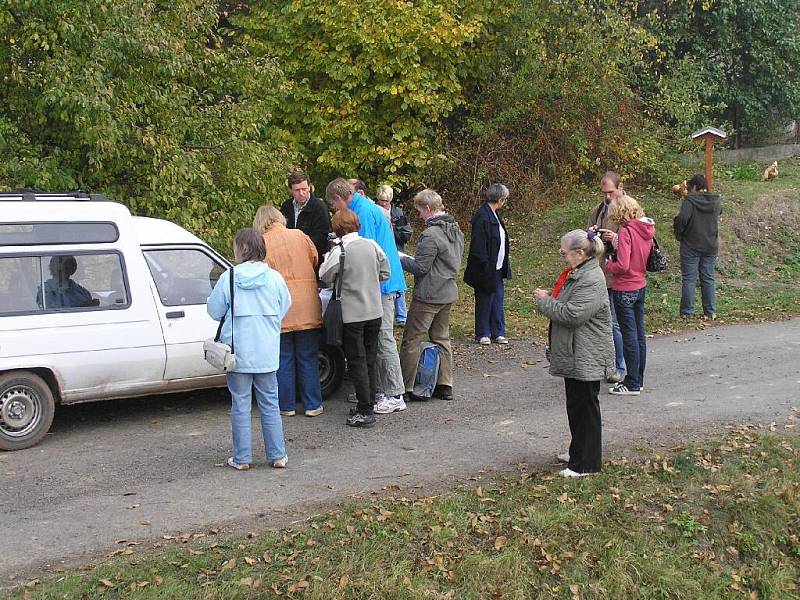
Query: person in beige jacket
{"x": 292, "y": 253}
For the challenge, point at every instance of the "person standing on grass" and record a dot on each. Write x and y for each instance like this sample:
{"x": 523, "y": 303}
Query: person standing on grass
{"x": 600, "y": 220}
{"x": 402, "y": 234}
{"x": 253, "y": 323}
{"x": 580, "y": 347}
{"x": 292, "y": 253}
{"x": 696, "y": 227}
{"x": 306, "y": 212}
{"x": 365, "y": 266}
{"x": 375, "y": 226}
{"x": 628, "y": 268}
{"x": 434, "y": 267}
{"x": 488, "y": 265}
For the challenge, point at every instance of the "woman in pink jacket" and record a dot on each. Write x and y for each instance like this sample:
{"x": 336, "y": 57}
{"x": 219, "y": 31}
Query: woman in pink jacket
{"x": 628, "y": 267}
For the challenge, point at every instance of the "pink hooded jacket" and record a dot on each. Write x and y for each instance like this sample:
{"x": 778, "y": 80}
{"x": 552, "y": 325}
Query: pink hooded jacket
{"x": 633, "y": 248}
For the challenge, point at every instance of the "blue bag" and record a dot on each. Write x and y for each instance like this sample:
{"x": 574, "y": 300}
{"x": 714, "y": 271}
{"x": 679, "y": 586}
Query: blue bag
{"x": 427, "y": 371}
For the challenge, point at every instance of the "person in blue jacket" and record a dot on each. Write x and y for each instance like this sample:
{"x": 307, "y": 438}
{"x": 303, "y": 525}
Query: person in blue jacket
{"x": 261, "y": 299}
{"x": 488, "y": 265}
{"x": 375, "y": 226}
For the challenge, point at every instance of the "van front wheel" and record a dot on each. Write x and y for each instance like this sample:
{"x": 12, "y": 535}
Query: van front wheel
{"x": 26, "y": 410}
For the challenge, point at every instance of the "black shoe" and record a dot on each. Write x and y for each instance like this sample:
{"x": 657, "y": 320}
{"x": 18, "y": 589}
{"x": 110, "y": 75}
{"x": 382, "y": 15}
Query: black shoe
{"x": 444, "y": 392}
{"x": 412, "y": 397}
{"x": 360, "y": 420}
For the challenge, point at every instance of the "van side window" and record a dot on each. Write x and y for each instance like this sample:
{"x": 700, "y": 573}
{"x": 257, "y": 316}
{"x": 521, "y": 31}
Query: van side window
{"x": 62, "y": 282}
{"x": 183, "y": 276}
{"x": 20, "y": 278}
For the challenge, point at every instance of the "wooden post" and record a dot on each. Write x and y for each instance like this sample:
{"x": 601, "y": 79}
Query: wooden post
{"x": 709, "y": 135}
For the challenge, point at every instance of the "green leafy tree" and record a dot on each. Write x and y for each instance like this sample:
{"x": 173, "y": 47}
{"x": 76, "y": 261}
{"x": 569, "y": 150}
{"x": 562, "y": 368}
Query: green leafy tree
{"x": 368, "y": 79}
{"x": 556, "y": 105}
{"x": 737, "y": 62}
{"x": 143, "y": 101}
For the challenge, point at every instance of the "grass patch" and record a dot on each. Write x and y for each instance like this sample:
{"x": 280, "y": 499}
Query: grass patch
{"x": 758, "y": 268}
{"x": 717, "y": 520}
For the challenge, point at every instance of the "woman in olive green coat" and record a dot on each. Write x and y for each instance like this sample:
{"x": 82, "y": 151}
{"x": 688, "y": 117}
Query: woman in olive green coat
{"x": 580, "y": 349}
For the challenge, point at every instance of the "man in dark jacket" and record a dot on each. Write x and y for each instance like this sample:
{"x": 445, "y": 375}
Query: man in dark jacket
{"x": 307, "y": 213}
{"x": 488, "y": 265}
{"x": 696, "y": 227}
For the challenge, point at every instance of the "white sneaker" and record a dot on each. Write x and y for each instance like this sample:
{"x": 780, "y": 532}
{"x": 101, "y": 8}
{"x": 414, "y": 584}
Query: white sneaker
{"x": 563, "y": 457}
{"x": 571, "y": 473}
{"x": 390, "y": 404}
{"x": 500, "y": 339}
{"x": 484, "y": 341}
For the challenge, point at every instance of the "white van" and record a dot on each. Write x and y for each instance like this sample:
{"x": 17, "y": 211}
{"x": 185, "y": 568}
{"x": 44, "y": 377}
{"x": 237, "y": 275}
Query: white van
{"x": 98, "y": 304}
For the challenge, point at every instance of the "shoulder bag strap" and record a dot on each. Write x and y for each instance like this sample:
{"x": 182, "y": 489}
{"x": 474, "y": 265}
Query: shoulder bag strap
{"x": 233, "y": 351}
{"x": 337, "y": 286}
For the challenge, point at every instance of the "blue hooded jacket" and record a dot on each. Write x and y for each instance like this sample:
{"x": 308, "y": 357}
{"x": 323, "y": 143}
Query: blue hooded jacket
{"x": 261, "y": 300}
{"x": 375, "y": 226}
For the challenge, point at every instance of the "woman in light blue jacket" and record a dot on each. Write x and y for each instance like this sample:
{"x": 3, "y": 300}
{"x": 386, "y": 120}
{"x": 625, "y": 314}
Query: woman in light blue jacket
{"x": 260, "y": 301}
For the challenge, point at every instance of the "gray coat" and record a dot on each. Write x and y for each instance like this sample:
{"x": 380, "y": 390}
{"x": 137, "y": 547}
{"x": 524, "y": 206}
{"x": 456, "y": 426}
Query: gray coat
{"x": 439, "y": 250}
{"x": 581, "y": 346}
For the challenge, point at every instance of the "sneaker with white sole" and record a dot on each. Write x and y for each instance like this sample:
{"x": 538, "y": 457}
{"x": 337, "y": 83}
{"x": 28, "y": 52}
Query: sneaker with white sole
{"x": 280, "y": 463}
{"x": 390, "y": 404}
{"x": 238, "y": 466}
{"x": 621, "y": 390}
{"x": 563, "y": 457}
{"x": 484, "y": 341}
{"x": 570, "y": 473}
{"x": 501, "y": 339}
{"x": 314, "y": 412}
{"x": 288, "y": 413}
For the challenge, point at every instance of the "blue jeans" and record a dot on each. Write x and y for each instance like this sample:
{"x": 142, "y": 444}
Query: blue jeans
{"x": 299, "y": 370}
{"x": 630, "y": 313}
{"x": 691, "y": 263}
{"x": 400, "y": 309}
{"x": 490, "y": 318}
{"x": 619, "y": 355}
{"x": 241, "y": 387}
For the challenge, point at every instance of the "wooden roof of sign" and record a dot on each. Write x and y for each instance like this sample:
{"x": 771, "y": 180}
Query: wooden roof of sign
{"x": 709, "y": 131}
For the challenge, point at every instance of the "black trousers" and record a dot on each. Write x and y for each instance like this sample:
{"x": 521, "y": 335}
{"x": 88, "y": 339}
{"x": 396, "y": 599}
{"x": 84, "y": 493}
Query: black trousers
{"x": 360, "y": 345}
{"x": 583, "y": 412}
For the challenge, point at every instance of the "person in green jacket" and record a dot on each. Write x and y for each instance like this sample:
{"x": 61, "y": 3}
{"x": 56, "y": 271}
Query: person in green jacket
{"x": 581, "y": 348}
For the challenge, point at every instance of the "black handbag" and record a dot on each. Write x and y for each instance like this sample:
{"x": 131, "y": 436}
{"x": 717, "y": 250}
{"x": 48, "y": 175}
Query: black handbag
{"x": 657, "y": 261}
{"x": 332, "y": 323}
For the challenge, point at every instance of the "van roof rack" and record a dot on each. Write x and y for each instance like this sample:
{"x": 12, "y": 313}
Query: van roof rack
{"x": 31, "y": 196}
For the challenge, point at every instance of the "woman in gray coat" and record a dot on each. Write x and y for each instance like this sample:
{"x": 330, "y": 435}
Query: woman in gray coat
{"x": 580, "y": 349}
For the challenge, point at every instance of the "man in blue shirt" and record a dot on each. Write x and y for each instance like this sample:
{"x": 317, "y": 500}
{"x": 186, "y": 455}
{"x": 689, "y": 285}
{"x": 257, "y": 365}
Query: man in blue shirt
{"x": 375, "y": 226}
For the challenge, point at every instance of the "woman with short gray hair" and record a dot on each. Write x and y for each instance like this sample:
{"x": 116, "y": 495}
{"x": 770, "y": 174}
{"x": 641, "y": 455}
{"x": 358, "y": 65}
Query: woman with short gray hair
{"x": 488, "y": 265}
{"x": 580, "y": 347}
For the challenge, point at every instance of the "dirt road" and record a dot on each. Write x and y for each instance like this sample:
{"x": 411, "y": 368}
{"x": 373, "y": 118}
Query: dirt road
{"x": 139, "y": 469}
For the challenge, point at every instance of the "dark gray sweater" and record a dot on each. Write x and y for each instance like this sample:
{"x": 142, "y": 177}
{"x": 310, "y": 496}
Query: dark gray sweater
{"x": 697, "y": 223}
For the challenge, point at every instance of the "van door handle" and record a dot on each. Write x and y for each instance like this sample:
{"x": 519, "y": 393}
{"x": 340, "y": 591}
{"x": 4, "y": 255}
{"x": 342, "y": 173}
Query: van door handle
{"x": 176, "y": 314}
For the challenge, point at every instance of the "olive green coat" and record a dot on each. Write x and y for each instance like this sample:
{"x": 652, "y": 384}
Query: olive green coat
{"x": 581, "y": 346}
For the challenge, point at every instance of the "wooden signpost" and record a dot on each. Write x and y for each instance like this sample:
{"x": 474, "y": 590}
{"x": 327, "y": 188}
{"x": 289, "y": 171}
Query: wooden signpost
{"x": 710, "y": 135}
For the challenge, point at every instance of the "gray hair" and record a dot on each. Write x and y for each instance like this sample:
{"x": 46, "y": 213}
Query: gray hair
{"x": 385, "y": 193}
{"x": 249, "y": 245}
{"x": 578, "y": 239}
{"x": 266, "y": 217}
{"x": 429, "y": 198}
{"x": 496, "y": 193}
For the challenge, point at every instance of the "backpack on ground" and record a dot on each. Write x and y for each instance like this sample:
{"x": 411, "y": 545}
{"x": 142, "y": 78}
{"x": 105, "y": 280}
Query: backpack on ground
{"x": 427, "y": 370}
